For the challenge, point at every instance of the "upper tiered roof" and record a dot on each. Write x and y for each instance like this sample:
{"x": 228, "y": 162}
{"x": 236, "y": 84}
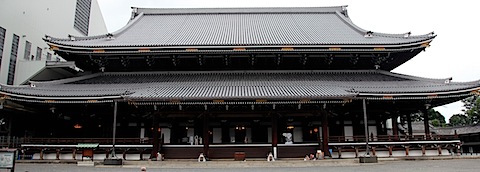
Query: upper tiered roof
{"x": 323, "y": 33}
{"x": 263, "y": 27}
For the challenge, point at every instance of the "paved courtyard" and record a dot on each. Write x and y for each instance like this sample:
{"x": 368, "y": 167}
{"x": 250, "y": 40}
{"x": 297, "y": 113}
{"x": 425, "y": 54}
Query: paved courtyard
{"x": 457, "y": 165}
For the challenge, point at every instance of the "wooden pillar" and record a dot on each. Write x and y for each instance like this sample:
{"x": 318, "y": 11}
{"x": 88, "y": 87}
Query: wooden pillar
{"x": 390, "y": 151}
{"x": 423, "y": 150}
{"x": 114, "y": 134}
{"x": 107, "y": 153}
{"x": 41, "y": 153}
{"x": 426, "y": 123}
{"x": 380, "y": 131}
{"x": 409, "y": 125}
{"x": 342, "y": 130}
{"x": 325, "y": 134}
{"x": 141, "y": 153}
{"x": 356, "y": 151}
{"x": 173, "y": 130}
{"x": 155, "y": 148}
{"x": 407, "y": 150}
{"x": 274, "y": 134}
{"x": 439, "y": 148}
{"x": 57, "y": 154}
{"x": 74, "y": 153}
{"x": 339, "y": 152}
{"x": 395, "y": 127}
{"x": 124, "y": 154}
{"x": 206, "y": 135}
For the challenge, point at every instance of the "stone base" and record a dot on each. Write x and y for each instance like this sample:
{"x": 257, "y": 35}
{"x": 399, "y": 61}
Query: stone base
{"x": 370, "y": 159}
{"x": 86, "y": 163}
{"x": 113, "y": 162}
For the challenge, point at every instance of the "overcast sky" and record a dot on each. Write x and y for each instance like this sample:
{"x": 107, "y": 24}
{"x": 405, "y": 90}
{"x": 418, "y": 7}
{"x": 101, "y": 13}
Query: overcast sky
{"x": 452, "y": 53}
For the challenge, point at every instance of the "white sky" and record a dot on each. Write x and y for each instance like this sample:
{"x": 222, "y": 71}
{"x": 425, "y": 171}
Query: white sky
{"x": 452, "y": 53}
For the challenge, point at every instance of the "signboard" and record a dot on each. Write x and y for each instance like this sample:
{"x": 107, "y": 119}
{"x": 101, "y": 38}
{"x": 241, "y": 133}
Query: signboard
{"x": 7, "y": 159}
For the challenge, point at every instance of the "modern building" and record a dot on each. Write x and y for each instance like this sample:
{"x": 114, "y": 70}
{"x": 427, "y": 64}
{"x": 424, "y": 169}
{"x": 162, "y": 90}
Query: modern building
{"x": 222, "y": 81}
{"x": 23, "y": 53}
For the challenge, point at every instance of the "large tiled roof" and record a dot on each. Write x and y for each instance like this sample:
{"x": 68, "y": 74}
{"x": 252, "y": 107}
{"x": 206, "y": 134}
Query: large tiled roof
{"x": 312, "y": 26}
{"x": 238, "y": 85}
{"x": 457, "y": 130}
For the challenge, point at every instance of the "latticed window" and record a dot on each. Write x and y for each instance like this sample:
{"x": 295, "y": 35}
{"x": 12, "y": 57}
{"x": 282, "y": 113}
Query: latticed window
{"x": 2, "y": 42}
{"x": 28, "y": 47}
{"x": 39, "y": 54}
{"x": 13, "y": 59}
{"x": 49, "y": 56}
{"x": 82, "y": 16}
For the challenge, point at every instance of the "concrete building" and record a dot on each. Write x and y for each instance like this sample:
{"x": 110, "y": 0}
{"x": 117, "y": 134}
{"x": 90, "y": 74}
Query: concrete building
{"x": 24, "y": 23}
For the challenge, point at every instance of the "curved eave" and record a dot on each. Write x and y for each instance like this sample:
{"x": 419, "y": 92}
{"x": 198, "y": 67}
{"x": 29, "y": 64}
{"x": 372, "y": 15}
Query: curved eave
{"x": 426, "y": 96}
{"x": 241, "y": 48}
{"x": 66, "y": 99}
{"x": 276, "y": 102}
{"x": 244, "y": 98}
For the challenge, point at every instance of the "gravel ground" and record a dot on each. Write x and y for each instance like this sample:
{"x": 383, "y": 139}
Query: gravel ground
{"x": 457, "y": 165}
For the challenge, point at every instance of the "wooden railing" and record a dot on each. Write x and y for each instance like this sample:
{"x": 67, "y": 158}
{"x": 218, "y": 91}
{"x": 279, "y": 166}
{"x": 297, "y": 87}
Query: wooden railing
{"x": 87, "y": 140}
{"x": 138, "y": 141}
{"x": 386, "y": 138}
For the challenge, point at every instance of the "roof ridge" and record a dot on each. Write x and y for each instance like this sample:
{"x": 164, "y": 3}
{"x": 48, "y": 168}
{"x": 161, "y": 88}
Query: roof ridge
{"x": 436, "y": 80}
{"x": 66, "y": 80}
{"x": 236, "y": 10}
{"x": 49, "y": 38}
{"x": 238, "y": 72}
{"x": 407, "y": 35}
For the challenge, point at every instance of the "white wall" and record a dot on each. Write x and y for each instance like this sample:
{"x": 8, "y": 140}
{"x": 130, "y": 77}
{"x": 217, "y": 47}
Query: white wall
{"x": 32, "y": 20}
{"x": 217, "y": 135}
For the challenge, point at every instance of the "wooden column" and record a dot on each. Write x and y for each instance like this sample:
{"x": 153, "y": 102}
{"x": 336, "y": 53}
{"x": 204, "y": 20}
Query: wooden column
{"x": 407, "y": 150}
{"x": 395, "y": 127}
{"x": 274, "y": 134}
{"x": 41, "y": 153}
{"x": 206, "y": 135}
{"x": 173, "y": 130}
{"x": 423, "y": 150}
{"x": 409, "y": 124}
{"x": 390, "y": 151}
{"x": 426, "y": 123}
{"x": 115, "y": 111}
{"x": 57, "y": 154}
{"x": 325, "y": 134}
{"x": 156, "y": 142}
{"x": 74, "y": 153}
{"x": 380, "y": 130}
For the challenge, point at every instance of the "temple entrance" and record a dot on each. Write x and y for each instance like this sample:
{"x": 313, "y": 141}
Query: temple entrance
{"x": 241, "y": 134}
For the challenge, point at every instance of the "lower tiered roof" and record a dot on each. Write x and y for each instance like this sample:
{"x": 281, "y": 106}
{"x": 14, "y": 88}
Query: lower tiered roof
{"x": 224, "y": 86}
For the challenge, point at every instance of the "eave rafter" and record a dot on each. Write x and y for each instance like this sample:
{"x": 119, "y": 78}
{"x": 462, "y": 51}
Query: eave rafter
{"x": 236, "y": 49}
{"x": 420, "y": 96}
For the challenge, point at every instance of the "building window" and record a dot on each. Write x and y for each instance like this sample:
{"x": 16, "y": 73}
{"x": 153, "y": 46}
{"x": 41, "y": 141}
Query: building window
{"x": 13, "y": 60}
{"x": 39, "y": 54}
{"x": 28, "y": 47}
{"x": 82, "y": 16}
{"x": 49, "y": 56}
{"x": 2, "y": 41}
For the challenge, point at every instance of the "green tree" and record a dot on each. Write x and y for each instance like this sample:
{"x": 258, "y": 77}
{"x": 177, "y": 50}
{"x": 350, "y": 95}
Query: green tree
{"x": 435, "y": 118}
{"x": 472, "y": 108}
{"x": 459, "y": 120}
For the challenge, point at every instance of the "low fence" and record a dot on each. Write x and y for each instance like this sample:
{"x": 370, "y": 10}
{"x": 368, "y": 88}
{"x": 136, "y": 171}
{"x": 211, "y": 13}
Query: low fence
{"x": 11, "y": 142}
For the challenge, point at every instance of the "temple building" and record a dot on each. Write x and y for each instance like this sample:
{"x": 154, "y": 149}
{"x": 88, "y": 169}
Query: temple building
{"x": 218, "y": 81}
